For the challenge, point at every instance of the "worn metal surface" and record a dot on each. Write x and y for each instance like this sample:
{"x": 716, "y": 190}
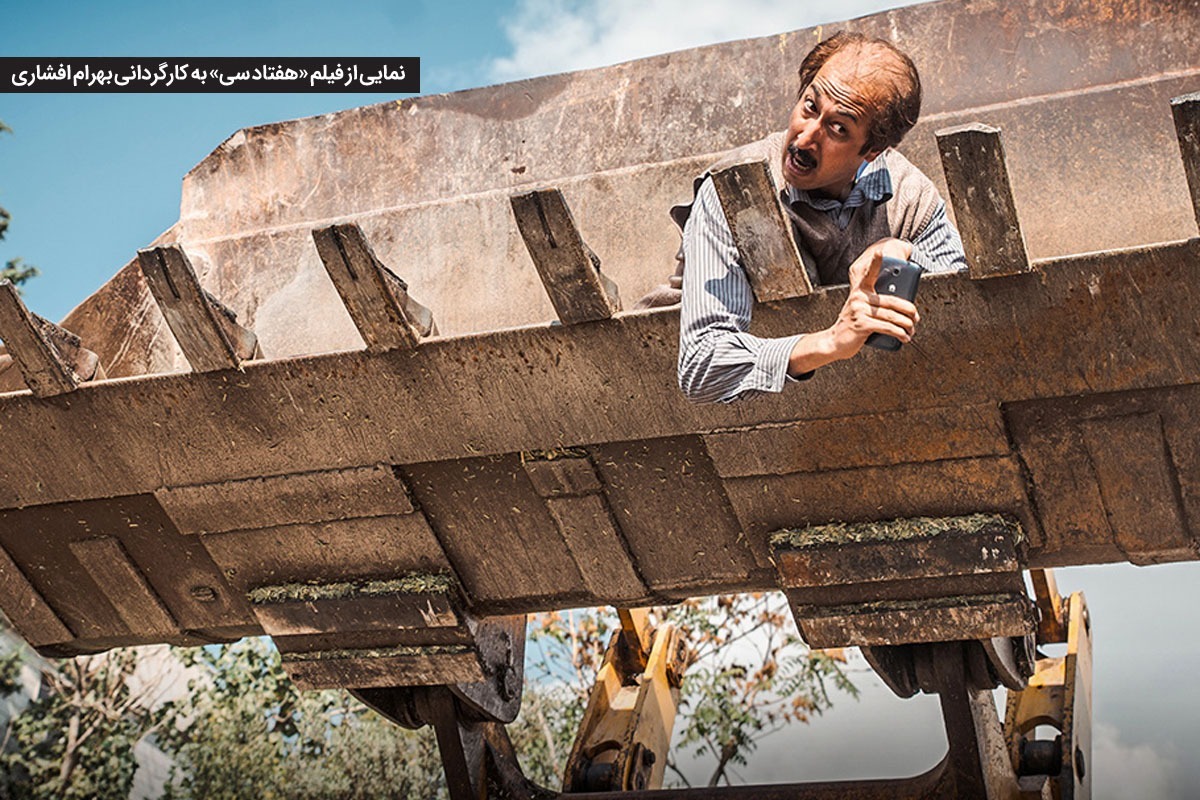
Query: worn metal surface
{"x": 692, "y": 519}
{"x": 904, "y": 581}
{"x": 576, "y": 500}
{"x": 1046, "y": 73}
{"x": 26, "y": 609}
{"x": 886, "y": 622}
{"x": 270, "y": 501}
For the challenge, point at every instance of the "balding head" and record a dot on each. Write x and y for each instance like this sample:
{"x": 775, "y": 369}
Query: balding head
{"x": 886, "y": 82}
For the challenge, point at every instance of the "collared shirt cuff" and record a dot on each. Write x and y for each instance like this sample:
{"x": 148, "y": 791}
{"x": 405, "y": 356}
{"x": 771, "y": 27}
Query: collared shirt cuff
{"x": 771, "y": 366}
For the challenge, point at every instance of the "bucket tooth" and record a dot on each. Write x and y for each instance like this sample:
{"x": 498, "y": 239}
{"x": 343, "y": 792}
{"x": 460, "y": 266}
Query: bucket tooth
{"x": 977, "y": 177}
{"x": 377, "y": 300}
{"x": 206, "y": 330}
{"x": 761, "y": 232}
{"x": 569, "y": 270}
{"x": 1186, "y": 111}
{"x": 52, "y": 360}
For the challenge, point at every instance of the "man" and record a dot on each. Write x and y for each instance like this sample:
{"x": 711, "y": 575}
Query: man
{"x": 852, "y": 200}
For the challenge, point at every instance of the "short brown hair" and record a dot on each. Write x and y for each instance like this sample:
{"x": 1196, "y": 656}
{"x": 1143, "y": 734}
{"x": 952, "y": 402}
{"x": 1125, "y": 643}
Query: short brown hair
{"x": 900, "y": 107}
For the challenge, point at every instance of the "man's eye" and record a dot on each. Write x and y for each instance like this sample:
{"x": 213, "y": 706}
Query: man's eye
{"x": 809, "y": 105}
{"x": 838, "y": 128}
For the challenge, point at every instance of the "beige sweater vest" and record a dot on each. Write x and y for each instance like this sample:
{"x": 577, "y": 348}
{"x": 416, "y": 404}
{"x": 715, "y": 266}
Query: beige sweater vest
{"x": 827, "y": 251}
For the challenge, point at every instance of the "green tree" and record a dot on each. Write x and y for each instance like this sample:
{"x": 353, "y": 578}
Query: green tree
{"x": 750, "y": 675}
{"x": 75, "y": 738}
{"x": 244, "y": 730}
{"x": 14, "y": 269}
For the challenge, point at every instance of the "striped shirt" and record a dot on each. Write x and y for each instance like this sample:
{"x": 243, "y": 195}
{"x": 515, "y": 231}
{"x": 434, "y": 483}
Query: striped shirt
{"x": 718, "y": 359}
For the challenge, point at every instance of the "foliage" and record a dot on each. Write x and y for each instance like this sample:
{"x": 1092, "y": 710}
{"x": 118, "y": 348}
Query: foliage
{"x": 75, "y": 739}
{"x": 14, "y": 269}
{"x": 242, "y": 729}
{"x": 540, "y": 734}
{"x": 18, "y": 272}
{"x": 750, "y": 675}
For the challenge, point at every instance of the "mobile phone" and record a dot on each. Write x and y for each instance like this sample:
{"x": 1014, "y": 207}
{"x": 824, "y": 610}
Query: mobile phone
{"x": 900, "y": 278}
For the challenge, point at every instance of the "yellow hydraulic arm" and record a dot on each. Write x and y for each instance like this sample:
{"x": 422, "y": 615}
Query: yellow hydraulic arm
{"x": 626, "y": 730}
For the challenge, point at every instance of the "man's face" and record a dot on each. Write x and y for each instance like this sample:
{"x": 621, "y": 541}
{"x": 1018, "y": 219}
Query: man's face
{"x": 828, "y": 128}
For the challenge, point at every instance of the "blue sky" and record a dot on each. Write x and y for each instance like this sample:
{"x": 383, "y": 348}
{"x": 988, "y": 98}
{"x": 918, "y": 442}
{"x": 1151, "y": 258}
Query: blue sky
{"x": 91, "y": 178}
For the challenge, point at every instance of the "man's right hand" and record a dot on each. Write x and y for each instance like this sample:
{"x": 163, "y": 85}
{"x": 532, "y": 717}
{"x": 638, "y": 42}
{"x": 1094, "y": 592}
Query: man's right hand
{"x": 864, "y": 312}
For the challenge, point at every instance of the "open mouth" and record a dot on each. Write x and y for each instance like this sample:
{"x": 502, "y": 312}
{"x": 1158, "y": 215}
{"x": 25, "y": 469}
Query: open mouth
{"x": 801, "y": 160}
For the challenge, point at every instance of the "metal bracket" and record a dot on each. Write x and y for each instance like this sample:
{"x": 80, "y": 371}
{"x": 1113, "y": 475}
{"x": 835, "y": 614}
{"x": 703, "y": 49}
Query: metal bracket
{"x": 1059, "y": 695}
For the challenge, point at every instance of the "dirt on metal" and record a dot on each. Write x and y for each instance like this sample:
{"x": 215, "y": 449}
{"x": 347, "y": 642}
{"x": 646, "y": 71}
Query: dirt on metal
{"x": 893, "y": 530}
{"x": 412, "y": 583}
{"x": 381, "y": 652}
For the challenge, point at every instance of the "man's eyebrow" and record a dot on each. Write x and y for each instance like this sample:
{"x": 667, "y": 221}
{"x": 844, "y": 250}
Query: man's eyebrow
{"x": 841, "y": 110}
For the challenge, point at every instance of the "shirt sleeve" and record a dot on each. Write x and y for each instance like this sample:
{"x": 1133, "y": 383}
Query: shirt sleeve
{"x": 938, "y": 247}
{"x": 718, "y": 359}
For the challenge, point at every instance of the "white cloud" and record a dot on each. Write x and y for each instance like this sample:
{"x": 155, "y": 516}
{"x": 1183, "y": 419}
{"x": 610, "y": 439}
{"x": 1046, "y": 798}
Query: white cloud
{"x": 549, "y": 36}
{"x": 1123, "y": 770}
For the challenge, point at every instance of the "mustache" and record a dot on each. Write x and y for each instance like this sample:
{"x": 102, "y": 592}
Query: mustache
{"x": 805, "y": 158}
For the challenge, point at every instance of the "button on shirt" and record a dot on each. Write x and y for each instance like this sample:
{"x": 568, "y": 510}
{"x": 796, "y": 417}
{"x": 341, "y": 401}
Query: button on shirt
{"x": 718, "y": 359}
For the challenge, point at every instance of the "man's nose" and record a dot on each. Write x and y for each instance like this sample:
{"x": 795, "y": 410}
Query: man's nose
{"x": 810, "y": 131}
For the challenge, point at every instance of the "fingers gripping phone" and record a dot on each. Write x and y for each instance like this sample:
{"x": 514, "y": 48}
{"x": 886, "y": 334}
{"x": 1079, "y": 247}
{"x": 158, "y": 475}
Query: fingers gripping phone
{"x": 899, "y": 278}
